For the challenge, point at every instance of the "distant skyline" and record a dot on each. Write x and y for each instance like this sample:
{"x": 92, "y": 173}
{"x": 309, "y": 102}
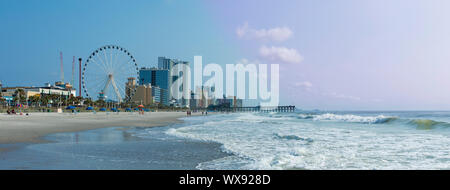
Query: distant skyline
{"x": 334, "y": 55}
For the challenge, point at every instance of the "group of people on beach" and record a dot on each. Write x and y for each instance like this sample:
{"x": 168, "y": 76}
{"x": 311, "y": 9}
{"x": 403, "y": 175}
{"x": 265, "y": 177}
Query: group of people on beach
{"x": 189, "y": 113}
{"x": 12, "y": 112}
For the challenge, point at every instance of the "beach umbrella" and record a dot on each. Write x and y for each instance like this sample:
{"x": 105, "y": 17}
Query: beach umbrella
{"x": 89, "y": 108}
{"x": 141, "y": 106}
{"x": 102, "y": 109}
{"x": 147, "y": 110}
{"x": 70, "y": 107}
{"x": 136, "y": 109}
{"x": 114, "y": 109}
{"x": 128, "y": 109}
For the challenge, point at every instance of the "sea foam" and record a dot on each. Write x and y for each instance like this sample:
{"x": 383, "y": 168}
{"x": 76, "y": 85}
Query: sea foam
{"x": 322, "y": 142}
{"x": 348, "y": 118}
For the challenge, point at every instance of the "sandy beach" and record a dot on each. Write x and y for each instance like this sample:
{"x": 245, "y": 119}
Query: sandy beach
{"x": 30, "y": 129}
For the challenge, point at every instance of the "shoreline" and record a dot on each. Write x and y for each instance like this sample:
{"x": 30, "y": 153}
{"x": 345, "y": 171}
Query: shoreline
{"x": 119, "y": 147}
{"x": 31, "y": 129}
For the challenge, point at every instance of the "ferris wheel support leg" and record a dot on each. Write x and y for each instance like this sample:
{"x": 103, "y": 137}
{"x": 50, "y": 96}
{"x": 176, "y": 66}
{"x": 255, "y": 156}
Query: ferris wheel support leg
{"x": 116, "y": 89}
{"x": 107, "y": 85}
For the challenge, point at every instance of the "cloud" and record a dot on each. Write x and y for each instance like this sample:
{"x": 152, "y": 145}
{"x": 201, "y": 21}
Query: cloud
{"x": 305, "y": 84}
{"x": 280, "y": 54}
{"x": 245, "y": 61}
{"x": 277, "y": 34}
{"x": 343, "y": 96}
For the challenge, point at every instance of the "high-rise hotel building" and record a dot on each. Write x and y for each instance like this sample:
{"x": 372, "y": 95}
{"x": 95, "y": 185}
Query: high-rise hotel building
{"x": 161, "y": 77}
{"x": 156, "y": 78}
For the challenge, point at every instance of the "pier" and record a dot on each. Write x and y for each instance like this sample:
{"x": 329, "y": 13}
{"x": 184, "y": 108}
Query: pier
{"x": 256, "y": 109}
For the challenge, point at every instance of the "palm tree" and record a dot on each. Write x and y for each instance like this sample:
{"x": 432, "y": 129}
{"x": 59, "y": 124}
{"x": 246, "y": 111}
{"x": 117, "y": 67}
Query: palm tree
{"x": 55, "y": 98}
{"x": 87, "y": 101}
{"x": 78, "y": 99}
{"x": 2, "y": 100}
{"x": 50, "y": 98}
{"x": 19, "y": 95}
{"x": 35, "y": 99}
{"x": 100, "y": 103}
{"x": 44, "y": 100}
{"x": 72, "y": 100}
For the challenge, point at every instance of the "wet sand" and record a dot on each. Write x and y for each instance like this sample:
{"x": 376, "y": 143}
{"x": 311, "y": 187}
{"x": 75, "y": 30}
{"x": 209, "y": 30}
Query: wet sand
{"x": 117, "y": 148}
{"x": 31, "y": 129}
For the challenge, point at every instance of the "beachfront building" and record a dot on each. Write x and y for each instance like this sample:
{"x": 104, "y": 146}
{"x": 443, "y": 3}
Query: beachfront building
{"x": 204, "y": 96}
{"x": 235, "y": 102}
{"x": 143, "y": 95}
{"x": 130, "y": 86}
{"x": 63, "y": 85}
{"x": 193, "y": 102}
{"x": 238, "y": 103}
{"x": 156, "y": 94}
{"x": 168, "y": 64}
{"x": 11, "y": 93}
{"x": 225, "y": 102}
{"x": 161, "y": 77}
{"x": 156, "y": 77}
{"x": 4, "y": 99}
{"x": 46, "y": 90}
{"x": 7, "y": 100}
{"x": 228, "y": 102}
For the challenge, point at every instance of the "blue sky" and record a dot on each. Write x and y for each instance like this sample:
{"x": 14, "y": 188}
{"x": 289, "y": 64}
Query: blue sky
{"x": 344, "y": 55}
{"x": 357, "y": 55}
{"x": 33, "y": 33}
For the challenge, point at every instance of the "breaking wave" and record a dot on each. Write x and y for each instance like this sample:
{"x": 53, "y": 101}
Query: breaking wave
{"x": 349, "y": 118}
{"x": 292, "y": 137}
{"x": 424, "y": 124}
{"x": 301, "y": 141}
{"x": 427, "y": 124}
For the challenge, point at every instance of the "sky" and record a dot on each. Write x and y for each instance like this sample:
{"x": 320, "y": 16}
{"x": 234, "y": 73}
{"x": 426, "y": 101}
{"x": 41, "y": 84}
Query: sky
{"x": 333, "y": 55}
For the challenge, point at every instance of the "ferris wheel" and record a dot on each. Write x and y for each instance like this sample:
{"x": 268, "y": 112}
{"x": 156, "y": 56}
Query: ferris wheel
{"x": 106, "y": 72}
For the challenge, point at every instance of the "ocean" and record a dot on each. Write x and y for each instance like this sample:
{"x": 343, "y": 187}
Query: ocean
{"x": 326, "y": 140}
{"x": 253, "y": 141}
